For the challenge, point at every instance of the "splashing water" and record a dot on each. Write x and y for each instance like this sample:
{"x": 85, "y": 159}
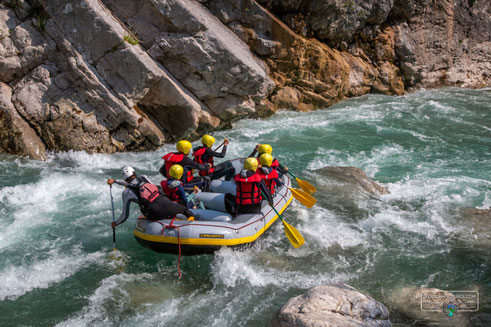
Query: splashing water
{"x": 431, "y": 149}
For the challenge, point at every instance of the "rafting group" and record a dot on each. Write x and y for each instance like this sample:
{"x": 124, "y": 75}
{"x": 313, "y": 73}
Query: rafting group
{"x": 232, "y": 196}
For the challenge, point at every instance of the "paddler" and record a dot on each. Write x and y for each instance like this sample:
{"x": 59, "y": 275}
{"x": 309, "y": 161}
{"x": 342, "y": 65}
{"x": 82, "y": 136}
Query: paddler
{"x": 153, "y": 204}
{"x": 269, "y": 175}
{"x": 205, "y": 154}
{"x": 173, "y": 187}
{"x": 266, "y": 148}
{"x": 181, "y": 158}
{"x": 250, "y": 188}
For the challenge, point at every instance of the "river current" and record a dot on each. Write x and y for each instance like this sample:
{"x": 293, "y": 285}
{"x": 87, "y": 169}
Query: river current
{"x": 432, "y": 149}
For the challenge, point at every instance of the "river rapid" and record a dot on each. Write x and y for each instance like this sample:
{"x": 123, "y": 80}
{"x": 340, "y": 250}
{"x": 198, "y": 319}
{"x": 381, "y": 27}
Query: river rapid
{"x": 432, "y": 149}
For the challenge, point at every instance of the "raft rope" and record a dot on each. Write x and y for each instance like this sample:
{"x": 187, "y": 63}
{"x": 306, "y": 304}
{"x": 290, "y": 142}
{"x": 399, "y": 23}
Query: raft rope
{"x": 172, "y": 226}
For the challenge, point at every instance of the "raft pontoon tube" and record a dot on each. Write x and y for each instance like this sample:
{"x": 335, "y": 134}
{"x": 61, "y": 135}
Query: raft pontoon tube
{"x": 214, "y": 229}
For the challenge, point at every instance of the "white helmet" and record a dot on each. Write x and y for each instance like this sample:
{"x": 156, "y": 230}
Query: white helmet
{"x": 127, "y": 172}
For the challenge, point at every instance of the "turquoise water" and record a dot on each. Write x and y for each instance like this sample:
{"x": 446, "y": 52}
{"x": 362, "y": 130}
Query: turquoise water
{"x": 432, "y": 149}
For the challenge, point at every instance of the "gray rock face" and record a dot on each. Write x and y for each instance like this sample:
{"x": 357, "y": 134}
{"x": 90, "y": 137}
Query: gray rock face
{"x": 16, "y": 136}
{"x": 80, "y": 78}
{"x": 444, "y": 43}
{"x": 202, "y": 54}
{"x": 332, "y": 306}
{"x": 436, "y": 42}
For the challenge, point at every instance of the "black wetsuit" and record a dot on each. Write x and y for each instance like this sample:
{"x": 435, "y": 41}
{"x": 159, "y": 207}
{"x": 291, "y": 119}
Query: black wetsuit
{"x": 224, "y": 169}
{"x": 161, "y": 208}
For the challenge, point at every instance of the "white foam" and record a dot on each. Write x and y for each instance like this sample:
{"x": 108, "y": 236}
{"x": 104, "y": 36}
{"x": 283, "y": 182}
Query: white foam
{"x": 107, "y": 302}
{"x": 36, "y": 204}
{"x": 232, "y": 268}
{"x": 369, "y": 162}
{"x": 41, "y": 274}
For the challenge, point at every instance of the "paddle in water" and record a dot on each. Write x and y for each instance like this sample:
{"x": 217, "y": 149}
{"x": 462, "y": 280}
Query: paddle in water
{"x": 293, "y": 235}
{"x": 304, "y": 185}
{"x": 303, "y": 197}
{"x": 114, "y": 219}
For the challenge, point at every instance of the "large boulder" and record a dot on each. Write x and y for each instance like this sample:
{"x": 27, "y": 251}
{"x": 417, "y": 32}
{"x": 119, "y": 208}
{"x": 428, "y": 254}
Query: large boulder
{"x": 355, "y": 177}
{"x": 337, "y": 305}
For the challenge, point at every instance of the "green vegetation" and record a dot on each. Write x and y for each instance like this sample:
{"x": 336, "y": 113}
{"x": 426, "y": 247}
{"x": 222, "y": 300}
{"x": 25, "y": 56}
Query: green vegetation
{"x": 130, "y": 39}
{"x": 472, "y": 2}
{"x": 41, "y": 24}
{"x": 349, "y": 4}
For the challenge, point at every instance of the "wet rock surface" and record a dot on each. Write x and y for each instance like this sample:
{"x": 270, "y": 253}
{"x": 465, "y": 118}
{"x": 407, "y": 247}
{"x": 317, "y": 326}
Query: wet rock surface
{"x": 408, "y": 301}
{"x": 332, "y": 306}
{"x": 355, "y": 177}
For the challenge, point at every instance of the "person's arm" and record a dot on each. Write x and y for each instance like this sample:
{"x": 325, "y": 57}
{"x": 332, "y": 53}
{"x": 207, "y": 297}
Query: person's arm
{"x": 182, "y": 195}
{"x": 278, "y": 180}
{"x": 117, "y": 181}
{"x": 266, "y": 193}
{"x": 215, "y": 154}
{"x": 128, "y": 197}
{"x": 189, "y": 162}
{"x": 281, "y": 170}
{"x": 253, "y": 153}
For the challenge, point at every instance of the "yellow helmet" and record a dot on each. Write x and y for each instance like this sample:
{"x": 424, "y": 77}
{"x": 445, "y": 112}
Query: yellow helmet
{"x": 251, "y": 164}
{"x": 184, "y": 146}
{"x": 265, "y": 159}
{"x": 265, "y": 148}
{"x": 176, "y": 171}
{"x": 208, "y": 140}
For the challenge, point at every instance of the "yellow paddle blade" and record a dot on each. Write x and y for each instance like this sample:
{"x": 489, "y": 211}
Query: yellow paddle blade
{"x": 304, "y": 198}
{"x": 295, "y": 238}
{"x": 306, "y": 186}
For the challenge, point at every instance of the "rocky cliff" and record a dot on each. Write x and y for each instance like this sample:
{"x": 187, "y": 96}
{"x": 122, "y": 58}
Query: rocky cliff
{"x": 114, "y": 75}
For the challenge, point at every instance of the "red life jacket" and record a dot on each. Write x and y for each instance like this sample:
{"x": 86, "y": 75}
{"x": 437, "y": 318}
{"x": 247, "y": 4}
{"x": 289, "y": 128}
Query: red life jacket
{"x": 198, "y": 157}
{"x": 269, "y": 179}
{"x": 148, "y": 194}
{"x": 175, "y": 158}
{"x": 248, "y": 191}
{"x": 170, "y": 192}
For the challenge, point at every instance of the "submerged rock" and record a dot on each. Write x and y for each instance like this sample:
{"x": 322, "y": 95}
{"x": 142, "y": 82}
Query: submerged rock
{"x": 476, "y": 229}
{"x": 355, "y": 177}
{"x": 332, "y": 306}
{"x": 411, "y": 300}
